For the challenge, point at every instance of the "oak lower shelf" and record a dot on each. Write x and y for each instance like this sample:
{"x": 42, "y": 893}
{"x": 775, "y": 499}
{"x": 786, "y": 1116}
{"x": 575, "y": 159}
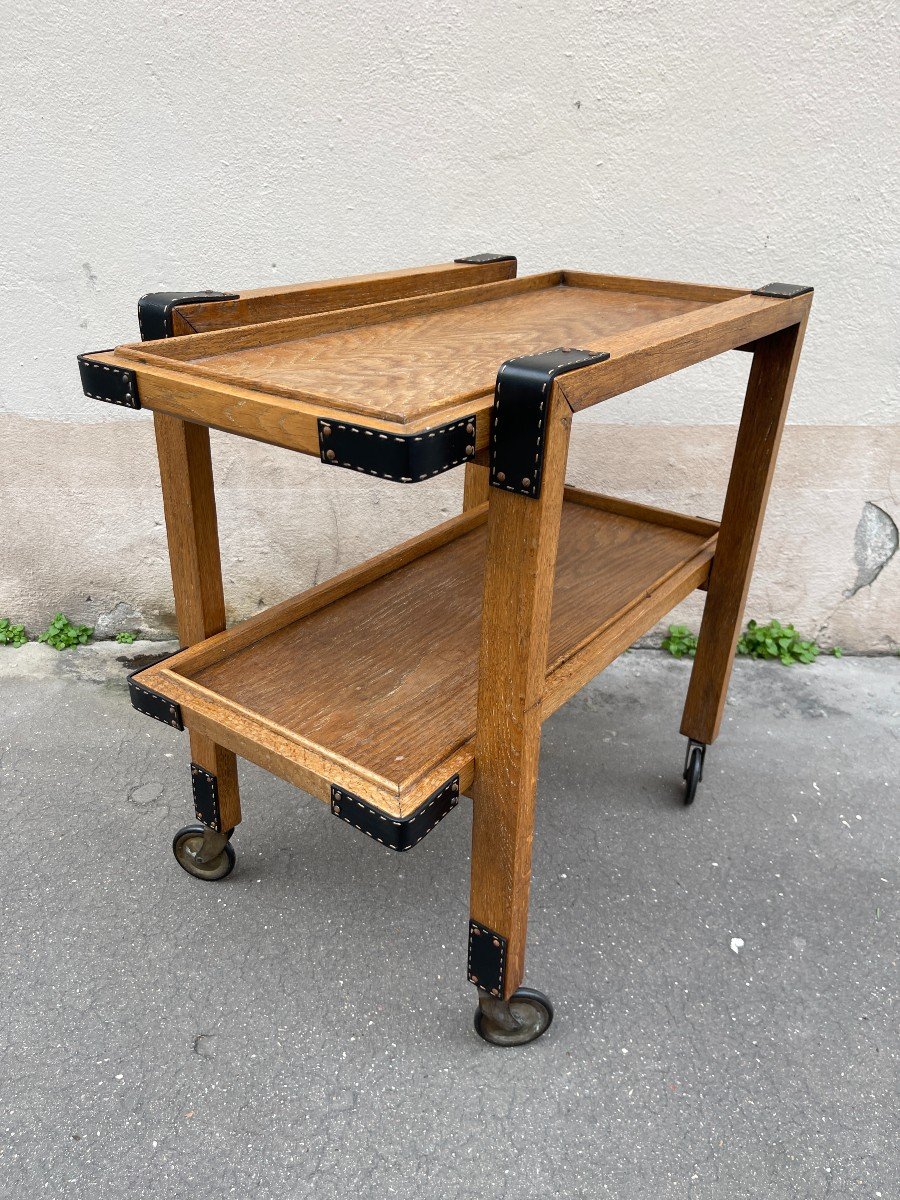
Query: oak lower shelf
{"x": 368, "y": 682}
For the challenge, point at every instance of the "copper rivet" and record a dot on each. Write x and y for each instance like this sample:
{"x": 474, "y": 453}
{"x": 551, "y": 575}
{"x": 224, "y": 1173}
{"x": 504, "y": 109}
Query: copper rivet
{"x": 326, "y": 431}
{"x": 496, "y": 943}
{"x": 526, "y": 482}
{"x": 470, "y": 429}
{"x": 474, "y": 978}
{"x": 456, "y": 787}
{"x": 501, "y": 478}
{"x": 330, "y": 454}
{"x": 470, "y": 449}
{"x": 337, "y": 808}
{"x": 476, "y": 931}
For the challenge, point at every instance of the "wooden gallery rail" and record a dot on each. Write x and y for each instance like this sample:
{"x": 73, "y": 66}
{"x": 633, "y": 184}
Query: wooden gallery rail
{"x": 515, "y": 604}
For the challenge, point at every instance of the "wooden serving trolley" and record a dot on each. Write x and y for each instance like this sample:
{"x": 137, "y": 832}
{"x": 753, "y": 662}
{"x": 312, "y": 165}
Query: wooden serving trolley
{"x": 425, "y": 673}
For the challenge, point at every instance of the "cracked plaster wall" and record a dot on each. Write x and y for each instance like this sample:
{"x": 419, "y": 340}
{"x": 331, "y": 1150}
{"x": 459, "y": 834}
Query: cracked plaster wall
{"x": 221, "y": 146}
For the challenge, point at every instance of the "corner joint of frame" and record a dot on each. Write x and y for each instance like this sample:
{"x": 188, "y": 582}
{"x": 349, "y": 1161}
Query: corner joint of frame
{"x": 151, "y": 703}
{"x": 155, "y": 310}
{"x": 397, "y": 833}
{"x": 398, "y": 457}
{"x": 783, "y": 291}
{"x": 486, "y": 962}
{"x": 521, "y": 408}
{"x": 112, "y": 385}
{"x": 488, "y": 257}
{"x": 205, "y": 789}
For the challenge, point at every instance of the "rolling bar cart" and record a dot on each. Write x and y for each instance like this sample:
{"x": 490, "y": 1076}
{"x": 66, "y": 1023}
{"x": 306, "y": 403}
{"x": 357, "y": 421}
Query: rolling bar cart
{"x": 425, "y": 673}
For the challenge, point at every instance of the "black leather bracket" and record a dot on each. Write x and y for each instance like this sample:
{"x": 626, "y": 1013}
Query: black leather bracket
{"x": 487, "y": 958}
{"x": 520, "y": 415}
{"x": 156, "y": 308}
{"x": 206, "y": 796}
{"x": 403, "y": 458}
{"x": 114, "y": 385}
{"x": 398, "y": 833}
{"x": 151, "y": 703}
{"x": 487, "y": 258}
{"x": 783, "y": 291}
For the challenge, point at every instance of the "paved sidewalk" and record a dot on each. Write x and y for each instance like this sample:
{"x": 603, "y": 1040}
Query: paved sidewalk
{"x": 725, "y": 976}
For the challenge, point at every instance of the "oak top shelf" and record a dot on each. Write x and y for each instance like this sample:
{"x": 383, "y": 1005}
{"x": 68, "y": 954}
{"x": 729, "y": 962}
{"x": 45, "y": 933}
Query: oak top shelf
{"x": 405, "y": 360}
{"x": 369, "y": 681}
{"x": 416, "y": 363}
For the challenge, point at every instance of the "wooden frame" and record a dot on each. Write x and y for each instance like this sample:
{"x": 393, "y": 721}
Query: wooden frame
{"x": 255, "y": 305}
{"x": 169, "y": 381}
{"x": 677, "y": 553}
{"x": 185, "y": 468}
{"x": 543, "y": 592}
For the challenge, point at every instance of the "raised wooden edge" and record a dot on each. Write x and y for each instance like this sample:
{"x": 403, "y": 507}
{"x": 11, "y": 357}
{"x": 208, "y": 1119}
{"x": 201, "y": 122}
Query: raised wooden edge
{"x": 267, "y": 333}
{"x": 567, "y": 674}
{"x": 649, "y": 352}
{"x": 262, "y": 417}
{"x": 701, "y": 292}
{"x": 172, "y": 353}
{"x": 304, "y": 764}
{"x": 250, "y": 306}
{"x": 381, "y": 311}
{"x": 643, "y": 512}
{"x": 239, "y": 637}
{"x": 314, "y": 768}
{"x": 196, "y": 393}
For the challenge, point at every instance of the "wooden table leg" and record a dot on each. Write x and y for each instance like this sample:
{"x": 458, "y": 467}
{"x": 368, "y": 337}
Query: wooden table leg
{"x": 189, "y": 503}
{"x": 765, "y": 408}
{"x": 522, "y": 538}
{"x": 477, "y": 485}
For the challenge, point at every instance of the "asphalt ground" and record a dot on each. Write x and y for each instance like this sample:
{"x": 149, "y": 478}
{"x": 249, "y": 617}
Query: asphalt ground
{"x": 724, "y": 976}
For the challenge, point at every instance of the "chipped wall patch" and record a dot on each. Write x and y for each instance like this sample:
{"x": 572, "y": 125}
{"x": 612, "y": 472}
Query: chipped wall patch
{"x": 875, "y": 544}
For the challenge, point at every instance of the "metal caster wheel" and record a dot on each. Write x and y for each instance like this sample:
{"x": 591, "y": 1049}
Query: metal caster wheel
{"x": 514, "y": 1022}
{"x": 693, "y": 769}
{"x": 203, "y": 852}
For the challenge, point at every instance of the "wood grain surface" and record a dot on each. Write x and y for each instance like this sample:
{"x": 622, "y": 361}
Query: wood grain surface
{"x": 275, "y": 303}
{"x": 386, "y": 676}
{"x": 527, "y": 575}
{"x": 403, "y": 367}
{"x": 775, "y": 361}
{"x": 189, "y": 504}
{"x": 410, "y": 364}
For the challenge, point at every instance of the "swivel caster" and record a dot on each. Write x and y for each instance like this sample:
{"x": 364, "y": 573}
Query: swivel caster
{"x": 514, "y": 1022}
{"x": 693, "y": 769}
{"x": 203, "y": 852}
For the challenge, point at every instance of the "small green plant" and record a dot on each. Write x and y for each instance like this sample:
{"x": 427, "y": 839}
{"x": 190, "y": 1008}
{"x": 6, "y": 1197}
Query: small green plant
{"x": 61, "y": 634}
{"x": 125, "y": 638}
{"x": 12, "y": 635}
{"x": 776, "y": 641}
{"x": 680, "y": 642}
{"x": 837, "y": 652}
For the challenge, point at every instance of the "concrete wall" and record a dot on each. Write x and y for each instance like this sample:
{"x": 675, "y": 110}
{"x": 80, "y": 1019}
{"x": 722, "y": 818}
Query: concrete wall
{"x": 221, "y": 145}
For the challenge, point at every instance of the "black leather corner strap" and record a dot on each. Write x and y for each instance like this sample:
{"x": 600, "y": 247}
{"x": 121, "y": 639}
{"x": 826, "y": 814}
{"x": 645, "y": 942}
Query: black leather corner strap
{"x": 398, "y": 833}
{"x": 152, "y": 703}
{"x": 475, "y": 259}
{"x": 114, "y": 385}
{"x": 403, "y": 458}
{"x": 156, "y": 308}
{"x": 205, "y": 787}
{"x": 487, "y": 958}
{"x": 520, "y": 415}
{"x": 783, "y": 291}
